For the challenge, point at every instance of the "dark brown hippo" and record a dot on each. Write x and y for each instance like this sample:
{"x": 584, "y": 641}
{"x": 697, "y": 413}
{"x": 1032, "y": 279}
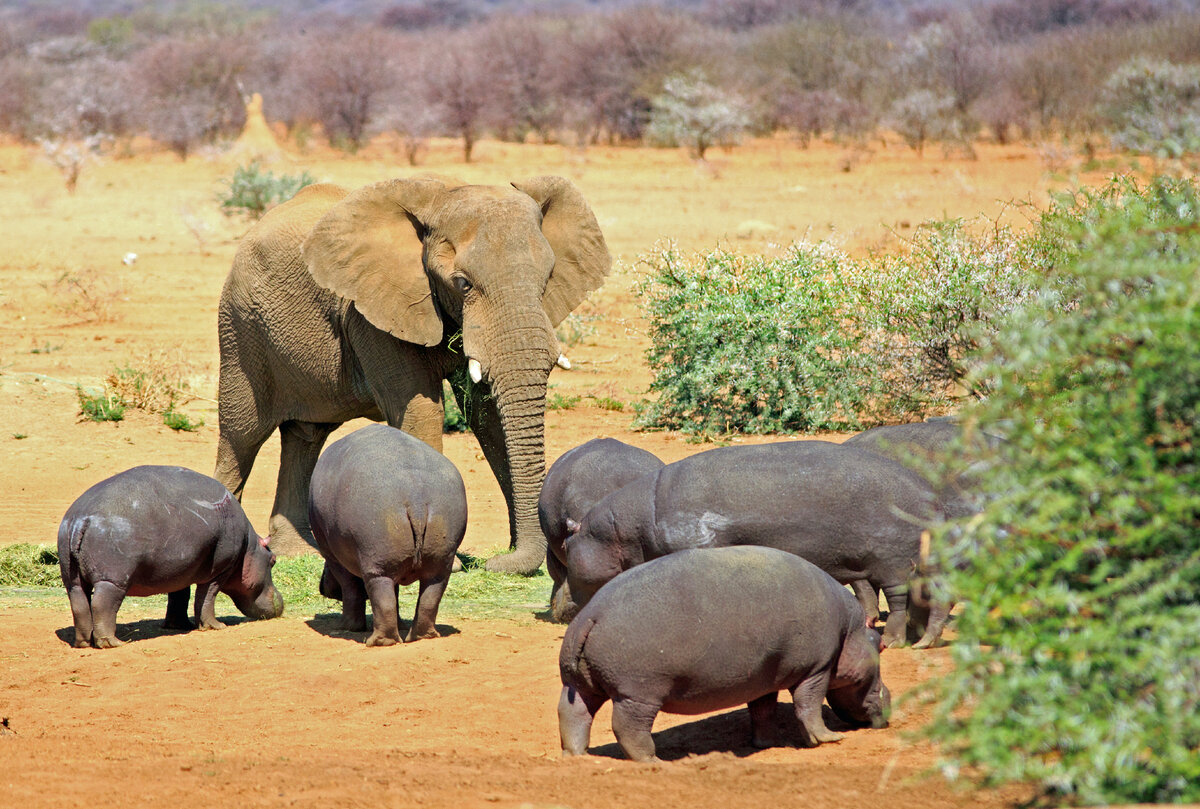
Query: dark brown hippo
{"x": 576, "y": 482}
{"x": 708, "y": 629}
{"x": 161, "y": 529}
{"x": 386, "y": 509}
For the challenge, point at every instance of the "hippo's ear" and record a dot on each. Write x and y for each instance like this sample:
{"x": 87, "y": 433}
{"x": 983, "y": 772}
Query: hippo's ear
{"x": 572, "y": 526}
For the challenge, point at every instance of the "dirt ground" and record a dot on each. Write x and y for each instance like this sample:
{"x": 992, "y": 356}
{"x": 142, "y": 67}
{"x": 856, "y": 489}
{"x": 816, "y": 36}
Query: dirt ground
{"x": 287, "y": 712}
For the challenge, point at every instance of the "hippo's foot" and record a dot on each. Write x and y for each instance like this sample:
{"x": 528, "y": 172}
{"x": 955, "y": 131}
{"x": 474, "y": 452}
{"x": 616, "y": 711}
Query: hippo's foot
{"x": 107, "y": 642}
{"x": 382, "y": 639}
{"x": 82, "y": 642}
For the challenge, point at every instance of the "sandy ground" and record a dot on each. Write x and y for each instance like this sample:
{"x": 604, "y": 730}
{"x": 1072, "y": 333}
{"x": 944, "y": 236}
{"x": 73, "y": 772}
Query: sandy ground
{"x": 287, "y": 712}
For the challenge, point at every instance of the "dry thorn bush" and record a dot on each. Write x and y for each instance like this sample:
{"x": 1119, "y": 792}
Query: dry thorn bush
{"x": 85, "y": 294}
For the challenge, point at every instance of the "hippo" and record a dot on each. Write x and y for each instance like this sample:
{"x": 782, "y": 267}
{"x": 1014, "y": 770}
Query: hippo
{"x": 574, "y": 483}
{"x": 710, "y": 628}
{"x": 940, "y": 450}
{"x": 161, "y": 529}
{"x": 852, "y": 513}
{"x": 386, "y": 509}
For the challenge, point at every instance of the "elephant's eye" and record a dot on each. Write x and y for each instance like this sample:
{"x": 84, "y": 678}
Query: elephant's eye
{"x": 462, "y": 284}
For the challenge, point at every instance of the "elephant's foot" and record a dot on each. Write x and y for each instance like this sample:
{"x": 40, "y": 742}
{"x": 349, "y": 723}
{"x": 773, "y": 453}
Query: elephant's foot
{"x": 520, "y": 563}
{"x": 207, "y": 624}
{"x": 428, "y": 634}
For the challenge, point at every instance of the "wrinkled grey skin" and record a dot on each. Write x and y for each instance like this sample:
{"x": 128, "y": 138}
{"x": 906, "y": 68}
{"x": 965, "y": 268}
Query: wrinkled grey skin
{"x": 161, "y": 529}
{"x": 345, "y": 304}
{"x": 938, "y": 450}
{"x": 386, "y": 510}
{"x": 852, "y": 513}
{"x": 574, "y": 483}
{"x": 707, "y": 629}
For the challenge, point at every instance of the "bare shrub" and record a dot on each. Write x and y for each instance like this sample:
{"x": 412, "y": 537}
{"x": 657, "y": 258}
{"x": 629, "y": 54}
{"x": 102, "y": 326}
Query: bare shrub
{"x": 345, "y": 76}
{"x": 457, "y": 82}
{"x": 524, "y": 65}
{"x": 921, "y": 116}
{"x": 86, "y": 295}
{"x": 188, "y": 89}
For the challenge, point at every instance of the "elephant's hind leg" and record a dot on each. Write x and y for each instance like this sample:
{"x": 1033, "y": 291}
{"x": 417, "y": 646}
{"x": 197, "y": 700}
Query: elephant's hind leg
{"x": 300, "y": 446}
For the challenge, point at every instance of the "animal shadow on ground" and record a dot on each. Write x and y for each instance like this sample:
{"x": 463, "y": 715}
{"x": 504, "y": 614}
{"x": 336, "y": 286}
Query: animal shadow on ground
{"x": 144, "y": 629}
{"x": 724, "y": 733}
{"x": 329, "y": 625}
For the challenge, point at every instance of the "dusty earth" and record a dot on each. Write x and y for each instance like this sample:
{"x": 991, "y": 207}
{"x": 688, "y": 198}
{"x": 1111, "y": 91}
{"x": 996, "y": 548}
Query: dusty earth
{"x": 288, "y": 712}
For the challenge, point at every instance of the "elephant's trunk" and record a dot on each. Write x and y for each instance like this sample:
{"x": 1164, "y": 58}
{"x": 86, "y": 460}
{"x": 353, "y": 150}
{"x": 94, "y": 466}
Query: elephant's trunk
{"x": 518, "y": 383}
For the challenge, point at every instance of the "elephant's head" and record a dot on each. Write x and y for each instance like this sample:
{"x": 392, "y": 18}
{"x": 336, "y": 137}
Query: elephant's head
{"x": 425, "y": 258}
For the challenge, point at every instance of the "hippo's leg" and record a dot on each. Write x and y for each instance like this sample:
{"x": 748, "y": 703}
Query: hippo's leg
{"x": 424, "y": 623}
{"x": 632, "y": 722}
{"x": 106, "y": 600}
{"x": 762, "y": 720}
{"x": 868, "y": 596}
{"x": 807, "y": 698}
{"x": 897, "y": 601}
{"x": 575, "y": 714}
{"x": 382, "y": 592}
{"x": 352, "y": 592}
{"x": 81, "y": 612}
{"x": 939, "y": 614}
{"x": 177, "y": 609}
{"x": 206, "y": 606}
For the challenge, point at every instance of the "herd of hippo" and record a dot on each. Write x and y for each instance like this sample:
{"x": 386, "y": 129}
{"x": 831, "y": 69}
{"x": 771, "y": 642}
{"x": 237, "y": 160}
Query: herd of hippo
{"x": 690, "y": 587}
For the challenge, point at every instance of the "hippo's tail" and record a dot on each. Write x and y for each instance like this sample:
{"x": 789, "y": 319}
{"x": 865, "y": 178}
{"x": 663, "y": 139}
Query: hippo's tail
{"x": 70, "y": 541}
{"x": 572, "y": 665}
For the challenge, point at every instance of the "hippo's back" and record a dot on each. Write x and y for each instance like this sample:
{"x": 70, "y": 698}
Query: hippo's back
{"x": 704, "y": 629}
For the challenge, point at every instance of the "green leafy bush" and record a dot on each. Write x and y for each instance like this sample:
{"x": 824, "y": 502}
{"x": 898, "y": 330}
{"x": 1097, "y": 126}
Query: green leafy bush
{"x": 252, "y": 190}
{"x": 1077, "y": 666}
{"x": 180, "y": 422}
{"x": 453, "y": 420}
{"x": 817, "y": 340}
{"x": 927, "y": 307}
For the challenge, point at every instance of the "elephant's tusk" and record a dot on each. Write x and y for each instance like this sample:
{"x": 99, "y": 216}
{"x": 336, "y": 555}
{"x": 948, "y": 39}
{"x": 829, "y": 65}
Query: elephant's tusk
{"x": 475, "y": 371}
{"x": 563, "y": 362}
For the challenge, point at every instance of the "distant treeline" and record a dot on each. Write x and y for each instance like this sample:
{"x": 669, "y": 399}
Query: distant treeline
{"x": 579, "y": 72}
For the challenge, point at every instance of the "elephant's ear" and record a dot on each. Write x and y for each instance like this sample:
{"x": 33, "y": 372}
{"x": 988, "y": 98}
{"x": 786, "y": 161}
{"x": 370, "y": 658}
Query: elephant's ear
{"x": 368, "y": 249}
{"x": 581, "y": 257}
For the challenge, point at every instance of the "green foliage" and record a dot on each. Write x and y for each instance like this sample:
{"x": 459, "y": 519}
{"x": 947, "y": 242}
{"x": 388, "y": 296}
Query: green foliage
{"x": 927, "y": 307}
{"x": 27, "y": 565}
{"x": 608, "y": 403}
{"x": 252, "y": 190}
{"x": 180, "y": 422}
{"x": 561, "y": 401}
{"x": 453, "y": 420}
{"x": 103, "y": 406}
{"x": 816, "y": 340}
{"x": 1078, "y": 658}
{"x": 1153, "y": 107}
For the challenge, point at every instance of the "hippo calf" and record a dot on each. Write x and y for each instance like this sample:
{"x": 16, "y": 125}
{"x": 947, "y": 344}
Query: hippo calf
{"x": 386, "y": 509}
{"x": 852, "y": 513}
{"x": 707, "y": 629}
{"x": 574, "y": 483}
{"x": 161, "y": 529}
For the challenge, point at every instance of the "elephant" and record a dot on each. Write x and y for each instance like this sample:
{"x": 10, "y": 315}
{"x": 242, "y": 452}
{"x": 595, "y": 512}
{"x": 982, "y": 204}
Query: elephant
{"x": 346, "y": 304}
